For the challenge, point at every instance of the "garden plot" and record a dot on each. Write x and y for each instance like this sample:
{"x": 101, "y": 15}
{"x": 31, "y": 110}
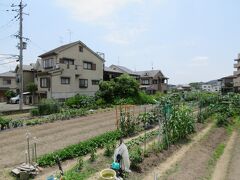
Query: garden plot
{"x": 197, "y": 162}
{"x": 52, "y": 136}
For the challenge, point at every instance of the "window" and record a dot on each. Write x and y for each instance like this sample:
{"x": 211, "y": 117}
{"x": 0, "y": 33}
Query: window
{"x": 89, "y": 65}
{"x": 7, "y": 82}
{"x": 48, "y": 63}
{"x": 44, "y": 82}
{"x": 67, "y": 61}
{"x": 65, "y": 80}
{"x": 155, "y": 81}
{"x": 95, "y": 82}
{"x": 80, "y": 49}
{"x": 83, "y": 83}
{"x": 145, "y": 81}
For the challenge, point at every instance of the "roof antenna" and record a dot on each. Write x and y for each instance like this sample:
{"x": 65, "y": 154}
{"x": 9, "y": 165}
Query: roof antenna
{"x": 152, "y": 66}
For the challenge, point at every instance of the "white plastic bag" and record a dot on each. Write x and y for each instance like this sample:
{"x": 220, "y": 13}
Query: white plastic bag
{"x": 123, "y": 151}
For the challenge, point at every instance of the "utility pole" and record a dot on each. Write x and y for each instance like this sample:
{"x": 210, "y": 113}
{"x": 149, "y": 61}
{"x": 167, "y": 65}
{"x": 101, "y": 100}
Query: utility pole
{"x": 21, "y": 55}
{"x": 21, "y": 47}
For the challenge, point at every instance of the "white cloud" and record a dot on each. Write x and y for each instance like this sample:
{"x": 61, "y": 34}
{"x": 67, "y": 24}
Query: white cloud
{"x": 199, "y": 61}
{"x": 94, "y": 10}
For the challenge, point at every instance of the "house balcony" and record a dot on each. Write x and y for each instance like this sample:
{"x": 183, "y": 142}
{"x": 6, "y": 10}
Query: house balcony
{"x": 237, "y": 65}
{"x": 236, "y": 73}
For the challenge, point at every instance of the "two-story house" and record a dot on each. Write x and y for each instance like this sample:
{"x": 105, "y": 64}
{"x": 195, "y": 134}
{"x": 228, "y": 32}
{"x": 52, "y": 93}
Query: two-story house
{"x": 153, "y": 81}
{"x": 67, "y": 70}
{"x": 7, "y": 82}
{"x": 28, "y": 76}
{"x": 124, "y": 70}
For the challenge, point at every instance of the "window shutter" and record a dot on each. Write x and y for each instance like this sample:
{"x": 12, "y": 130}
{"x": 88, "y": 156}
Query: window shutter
{"x": 93, "y": 66}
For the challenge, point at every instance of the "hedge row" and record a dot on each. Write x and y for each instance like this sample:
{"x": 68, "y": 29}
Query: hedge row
{"x": 79, "y": 149}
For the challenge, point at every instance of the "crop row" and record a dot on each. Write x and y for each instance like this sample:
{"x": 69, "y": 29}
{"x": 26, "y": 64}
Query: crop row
{"x": 79, "y": 149}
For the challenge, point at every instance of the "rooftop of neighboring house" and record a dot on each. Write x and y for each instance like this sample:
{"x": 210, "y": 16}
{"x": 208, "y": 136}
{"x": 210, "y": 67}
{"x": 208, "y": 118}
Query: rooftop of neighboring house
{"x": 108, "y": 69}
{"x": 29, "y": 67}
{"x": 123, "y": 69}
{"x": 150, "y": 73}
{"x": 227, "y": 77}
{"x": 66, "y": 46}
{"x": 11, "y": 74}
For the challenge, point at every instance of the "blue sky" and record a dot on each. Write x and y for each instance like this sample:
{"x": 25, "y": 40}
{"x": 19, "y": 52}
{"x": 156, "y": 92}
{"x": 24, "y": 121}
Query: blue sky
{"x": 189, "y": 40}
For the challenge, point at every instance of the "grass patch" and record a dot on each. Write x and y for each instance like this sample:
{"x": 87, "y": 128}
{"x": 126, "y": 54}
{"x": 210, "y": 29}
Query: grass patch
{"x": 214, "y": 158}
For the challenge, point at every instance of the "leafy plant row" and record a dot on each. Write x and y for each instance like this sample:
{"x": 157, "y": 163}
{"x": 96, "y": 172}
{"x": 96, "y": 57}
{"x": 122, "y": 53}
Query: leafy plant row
{"x": 79, "y": 149}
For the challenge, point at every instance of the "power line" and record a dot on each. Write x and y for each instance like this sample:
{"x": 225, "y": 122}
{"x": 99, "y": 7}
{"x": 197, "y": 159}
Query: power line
{"x": 8, "y": 62}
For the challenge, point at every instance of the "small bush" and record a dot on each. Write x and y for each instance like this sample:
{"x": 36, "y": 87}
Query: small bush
{"x": 80, "y": 164}
{"x": 81, "y": 101}
{"x": 48, "y": 106}
{"x": 222, "y": 120}
{"x": 136, "y": 158}
{"x": 109, "y": 149}
{"x": 93, "y": 155}
{"x": 34, "y": 112}
{"x": 4, "y": 123}
{"x": 16, "y": 123}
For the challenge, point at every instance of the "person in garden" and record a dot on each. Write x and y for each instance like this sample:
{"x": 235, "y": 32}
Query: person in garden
{"x": 121, "y": 156}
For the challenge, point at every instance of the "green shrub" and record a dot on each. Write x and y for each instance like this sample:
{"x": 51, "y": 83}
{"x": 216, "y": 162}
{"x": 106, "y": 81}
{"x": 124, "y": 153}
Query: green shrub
{"x": 34, "y": 112}
{"x": 80, "y": 163}
{"x": 81, "y": 101}
{"x": 180, "y": 124}
{"x": 128, "y": 124}
{"x": 16, "y": 123}
{"x": 93, "y": 155}
{"x": 109, "y": 149}
{"x": 222, "y": 120}
{"x": 4, "y": 123}
{"x": 136, "y": 157}
{"x": 48, "y": 106}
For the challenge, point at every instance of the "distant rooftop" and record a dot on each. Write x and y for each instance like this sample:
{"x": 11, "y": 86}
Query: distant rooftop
{"x": 8, "y": 74}
{"x": 123, "y": 69}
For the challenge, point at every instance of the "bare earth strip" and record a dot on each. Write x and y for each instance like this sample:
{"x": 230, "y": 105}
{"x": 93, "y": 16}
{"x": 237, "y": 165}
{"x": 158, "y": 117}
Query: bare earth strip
{"x": 176, "y": 157}
{"x": 233, "y": 169}
{"x": 220, "y": 171}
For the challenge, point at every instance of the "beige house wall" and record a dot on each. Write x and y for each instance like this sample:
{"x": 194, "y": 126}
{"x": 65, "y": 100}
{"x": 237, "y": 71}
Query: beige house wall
{"x": 74, "y": 72}
{"x": 11, "y": 86}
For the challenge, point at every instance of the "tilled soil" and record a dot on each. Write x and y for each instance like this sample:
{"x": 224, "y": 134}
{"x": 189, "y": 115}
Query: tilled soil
{"x": 52, "y": 136}
{"x": 195, "y": 163}
{"x": 233, "y": 169}
{"x": 154, "y": 159}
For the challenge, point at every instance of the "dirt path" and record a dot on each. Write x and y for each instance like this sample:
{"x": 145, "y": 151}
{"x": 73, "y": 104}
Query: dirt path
{"x": 221, "y": 168}
{"x": 194, "y": 165}
{"x": 233, "y": 169}
{"x": 178, "y": 155}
